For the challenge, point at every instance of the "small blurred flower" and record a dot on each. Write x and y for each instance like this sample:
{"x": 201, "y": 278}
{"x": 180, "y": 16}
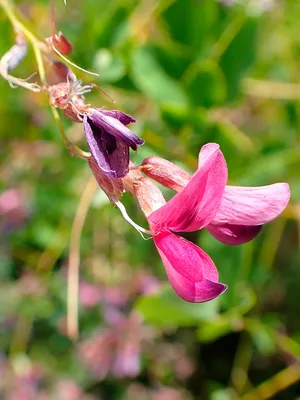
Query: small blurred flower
{"x": 143, "y": 283}
{"x": 169, "y": 393}
{"x": 30, "y": 284}
{"x": 166, "y": 356}
{"x": 116, "y": 349}
{"x": 67, "y": 390}
{"x": 24, "y": 383}
{"x": 12, "y": 208}
{"x": 97, "y": 352}
{"x": 89, "y": 294}
{"x": 140, "y": 392}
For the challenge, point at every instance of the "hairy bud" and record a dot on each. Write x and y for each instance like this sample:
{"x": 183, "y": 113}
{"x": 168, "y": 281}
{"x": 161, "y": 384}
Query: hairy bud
{"x": 60, "y": 42}
{"x": 148, "y": 195}
{"x": 165, "y": 172}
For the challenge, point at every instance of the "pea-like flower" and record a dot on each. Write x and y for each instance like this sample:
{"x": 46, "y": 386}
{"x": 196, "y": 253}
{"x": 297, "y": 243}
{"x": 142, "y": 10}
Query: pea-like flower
{"x": 233, "y": 215}
{"x": 242, "y": 211}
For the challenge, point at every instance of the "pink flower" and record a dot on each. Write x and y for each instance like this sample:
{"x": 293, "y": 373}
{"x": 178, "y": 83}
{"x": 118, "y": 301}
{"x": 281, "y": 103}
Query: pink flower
{"x": 233, "y": 215}
{"x": 242, "y": 211}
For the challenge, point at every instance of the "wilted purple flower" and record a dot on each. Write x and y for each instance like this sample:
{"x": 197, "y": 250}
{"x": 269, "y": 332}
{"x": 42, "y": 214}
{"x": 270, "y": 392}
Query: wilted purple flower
{"x": 109, "y": 140}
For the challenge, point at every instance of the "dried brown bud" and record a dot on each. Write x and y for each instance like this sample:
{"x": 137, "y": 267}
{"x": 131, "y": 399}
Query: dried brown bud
{"x": 113, "y": 187}
{"x": 165, "y": 172}
{"x": 148, "y": 195}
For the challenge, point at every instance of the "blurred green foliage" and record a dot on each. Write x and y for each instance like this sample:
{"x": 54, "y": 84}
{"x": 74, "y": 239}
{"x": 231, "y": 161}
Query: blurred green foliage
{"x": 190, "y": 72}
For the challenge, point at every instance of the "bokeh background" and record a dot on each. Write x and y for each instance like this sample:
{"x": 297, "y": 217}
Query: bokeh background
{"x": 190, "y": 72}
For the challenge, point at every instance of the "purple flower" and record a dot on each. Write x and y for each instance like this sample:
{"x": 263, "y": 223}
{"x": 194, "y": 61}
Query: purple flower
{"x": 109, "y": 140}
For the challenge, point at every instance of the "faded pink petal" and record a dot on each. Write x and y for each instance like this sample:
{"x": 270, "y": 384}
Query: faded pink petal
{"x": 198, "y": 203}
{"x": 190, "y": 270}
{"x": 89, "y": 294}
{"x": 233, "y": 234}
{"x": 127, "y": 362}
{"x": 252, "y": 205}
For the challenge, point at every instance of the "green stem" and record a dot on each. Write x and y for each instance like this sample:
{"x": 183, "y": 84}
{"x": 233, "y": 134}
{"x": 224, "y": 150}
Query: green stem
{"x": 71, "y": 147}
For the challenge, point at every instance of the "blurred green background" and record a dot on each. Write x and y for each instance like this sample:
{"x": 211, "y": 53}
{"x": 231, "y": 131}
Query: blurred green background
{"x": 190, "y": 72}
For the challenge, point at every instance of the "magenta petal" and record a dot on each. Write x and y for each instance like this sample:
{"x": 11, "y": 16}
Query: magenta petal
{"x": 190, "y": 270}
{"x": 252, "y": 205}
{"x": 233, "y": 234}
{"x": 199, "y": 202}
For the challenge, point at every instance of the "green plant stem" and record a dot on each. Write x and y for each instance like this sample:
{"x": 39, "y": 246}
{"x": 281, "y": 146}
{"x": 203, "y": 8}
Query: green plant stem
{"x": 71, "y": 147}
{"x": 276, "y": 384}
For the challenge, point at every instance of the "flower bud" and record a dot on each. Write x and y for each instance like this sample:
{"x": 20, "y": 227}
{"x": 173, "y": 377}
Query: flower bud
{"x": 113, "y": 187}
{"x": 165, "y": 172}
{"x": 148, "y": 195}
{"x": 60, "y": 42}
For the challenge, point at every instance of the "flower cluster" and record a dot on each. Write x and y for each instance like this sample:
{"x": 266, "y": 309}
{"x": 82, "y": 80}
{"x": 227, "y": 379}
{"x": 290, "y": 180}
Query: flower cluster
{"x": 232, "y": 214}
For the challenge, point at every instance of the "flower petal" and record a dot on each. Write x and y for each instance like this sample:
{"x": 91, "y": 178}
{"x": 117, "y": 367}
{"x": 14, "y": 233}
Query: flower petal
{"x": 114, "y": 127}
{"x": 233, "y": 234}
{"x": 199, "y": 202}
{"x": 110, "y": 154}
{"x": 252, "y": 205}
{"x": 125, "y": 119}
{"x": 190, "y": 270}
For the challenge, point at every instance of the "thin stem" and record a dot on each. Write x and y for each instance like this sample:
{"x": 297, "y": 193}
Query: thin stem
{"x": 72, "y": 63}
{"x": 15, "y": 21}
{"x": 276, "y": 384}
{"x": 128, "y": 219}
{"x": 271, "y": 89}
{"x": 36, "y": 44}
{"x": 74, "y": 257}
{"x": 239, "y": 375}
{"x": 52, "y": 18}
{"x": 227, "y": 36}
{"x": 71, "y": 147}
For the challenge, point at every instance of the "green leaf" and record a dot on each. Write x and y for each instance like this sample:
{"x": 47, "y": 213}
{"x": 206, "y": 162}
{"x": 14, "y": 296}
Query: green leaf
{"x": 205, "y": 84}
{"x": 167, "y": 309}
{"x": 211, "y": 331}
{"x": 239, "y": 56}
{"x": 262, "y": 336}
{"x": 190, "y": 22}
{"x": 152, "y": 80}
